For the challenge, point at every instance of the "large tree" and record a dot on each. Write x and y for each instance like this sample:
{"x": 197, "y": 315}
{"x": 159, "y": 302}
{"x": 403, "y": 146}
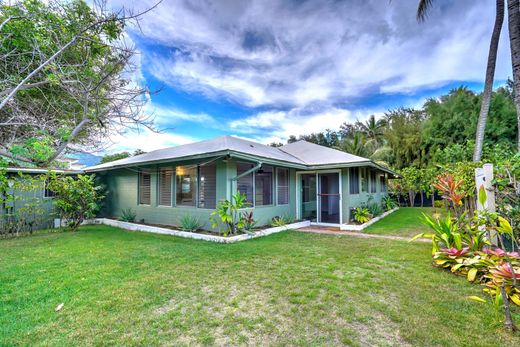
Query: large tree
{"x": 66, "y": 78}
{"x": 422, "y": 10}
{"x": 513, "y": 14}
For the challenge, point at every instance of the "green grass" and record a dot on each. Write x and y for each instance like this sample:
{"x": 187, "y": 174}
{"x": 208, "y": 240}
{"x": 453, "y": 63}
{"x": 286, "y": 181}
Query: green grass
{"x": 124, "y": 288}
{"x": 403, "y": 222}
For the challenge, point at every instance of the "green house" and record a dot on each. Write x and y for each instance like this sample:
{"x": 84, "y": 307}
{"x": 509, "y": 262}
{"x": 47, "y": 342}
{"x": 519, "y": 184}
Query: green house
{"x": 301, "y": 179}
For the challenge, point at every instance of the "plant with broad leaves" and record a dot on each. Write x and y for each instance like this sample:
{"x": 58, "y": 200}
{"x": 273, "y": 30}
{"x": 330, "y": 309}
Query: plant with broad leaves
{"x": 361, "y": 215}
{"x": 446, "y": 232}
{"x": 249, "y": 221}
{"x": 227, "y": 213}
{"x": 449, "y": 188}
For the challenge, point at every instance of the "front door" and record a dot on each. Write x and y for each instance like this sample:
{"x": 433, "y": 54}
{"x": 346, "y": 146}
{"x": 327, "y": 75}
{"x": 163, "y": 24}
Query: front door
{"x": 329, "y": 198}
{"x": 308, "y": 197}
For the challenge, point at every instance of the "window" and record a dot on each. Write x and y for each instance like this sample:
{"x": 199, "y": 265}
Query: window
{"x": 373, "y": 182}
{"x": 245, "y": 183}
{"x": 383, "y": 183}
{"x": 207, "y": 186}
{"x": 165, "y": 186}
{"x": 47, "y": 193}
{"x": 145, "y": 180}
{"x": 364, "y": 181}
{"x": 354, "y": 180}
{"x": 186, "y": 186}
{"x": 264, "y": 186}
{"x": 283, "y": 186}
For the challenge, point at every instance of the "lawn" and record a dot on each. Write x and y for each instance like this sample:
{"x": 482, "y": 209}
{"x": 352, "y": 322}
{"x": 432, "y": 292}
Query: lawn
{"x": 403, "y": 222}
{"x": 130, "y": 288}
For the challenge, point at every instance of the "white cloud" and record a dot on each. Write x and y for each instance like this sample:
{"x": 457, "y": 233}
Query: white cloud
{"x": 292, "y": 54}
{"x": 146, "y": 140}
{"x": 281, "y": 124}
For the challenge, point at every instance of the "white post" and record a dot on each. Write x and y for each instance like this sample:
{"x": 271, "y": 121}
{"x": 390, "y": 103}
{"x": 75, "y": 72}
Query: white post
{"x": 484, "y": 177}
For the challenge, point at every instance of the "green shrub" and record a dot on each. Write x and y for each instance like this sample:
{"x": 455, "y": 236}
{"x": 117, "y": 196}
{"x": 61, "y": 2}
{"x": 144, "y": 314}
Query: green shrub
{"x": 228, "y": 214}
{"x": 280, "y": 221}
{"x": 128, "y": 215}
{"x": 190, "y": 223}
{"x": 439, "y": 204}
{"x": 375, "y": 209}
{"x": 389, "y": 203}
{"x": 77, "y": 198}
{"x": 249, "y": 221}
{"x": 361, "y": 215}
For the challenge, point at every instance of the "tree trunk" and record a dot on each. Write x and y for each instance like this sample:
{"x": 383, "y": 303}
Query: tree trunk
{"x": 513, "y": 14}
{"x": 488, "y": 83}
{"x": 422, "y": 198}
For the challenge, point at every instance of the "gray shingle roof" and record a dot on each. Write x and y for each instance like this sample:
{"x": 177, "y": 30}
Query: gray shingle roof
{"x": 313, "y": 154}
{"x": 301, "y": 153}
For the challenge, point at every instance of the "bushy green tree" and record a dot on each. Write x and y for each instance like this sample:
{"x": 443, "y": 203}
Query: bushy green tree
{"x": 77, "y": 198}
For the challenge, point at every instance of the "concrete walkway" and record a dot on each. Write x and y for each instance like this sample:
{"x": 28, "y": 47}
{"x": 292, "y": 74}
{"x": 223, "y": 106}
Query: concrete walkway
{"x": 336, "y": 231}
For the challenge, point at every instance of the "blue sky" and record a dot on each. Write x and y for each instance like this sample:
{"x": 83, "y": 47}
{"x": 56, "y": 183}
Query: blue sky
{"x": 268, "y": 69}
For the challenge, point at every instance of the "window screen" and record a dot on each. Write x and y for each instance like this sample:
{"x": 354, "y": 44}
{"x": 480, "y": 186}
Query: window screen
{"x": 207, "y": 186}
{"x": 364, "y": 180}
{"x": 264, "y": 186}
{"x": 283, "y": 186}
{"x": 382, "y": 180}
{"x": 354, "y": 180}
{"x": 165, "y": 186}
{"x": 373, "y": 182}
{"x": 245, "y": 183}
{"x": 145, "y": 181}
{"x": 186, "y": 186}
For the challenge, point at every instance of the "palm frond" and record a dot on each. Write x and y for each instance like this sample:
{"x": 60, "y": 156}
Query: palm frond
{"x": 422, "y": 9}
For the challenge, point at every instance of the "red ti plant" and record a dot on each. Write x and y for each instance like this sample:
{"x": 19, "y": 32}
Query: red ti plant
{"x": 448, "y": 187}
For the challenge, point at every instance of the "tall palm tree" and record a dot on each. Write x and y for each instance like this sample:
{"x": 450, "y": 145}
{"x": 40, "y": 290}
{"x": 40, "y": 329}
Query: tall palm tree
{"x": 422, "y": 11}
{"x": 513, "y": 15}
{"x": 372, "y": 129}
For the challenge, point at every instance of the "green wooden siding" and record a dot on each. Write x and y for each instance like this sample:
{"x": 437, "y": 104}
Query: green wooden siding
{"x": 122, "y": 193}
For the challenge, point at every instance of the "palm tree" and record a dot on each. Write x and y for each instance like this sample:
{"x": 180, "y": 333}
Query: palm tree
{"x": 513, "y": 15}
{"x": 372, "y": 129}
{"x": 422, "y": 11}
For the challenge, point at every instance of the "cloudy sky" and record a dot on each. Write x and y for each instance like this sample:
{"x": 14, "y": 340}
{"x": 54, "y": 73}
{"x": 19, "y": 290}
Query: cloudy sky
{"x": 268, "y": 69}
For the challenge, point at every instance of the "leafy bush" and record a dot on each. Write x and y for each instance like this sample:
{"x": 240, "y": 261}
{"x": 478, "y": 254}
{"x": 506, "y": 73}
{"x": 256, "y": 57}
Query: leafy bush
{"x": 190, "y": 223}
{"x": 77, "y": 198}
{"x": 439, "y": 204}
{"x": 375, "y": 209}
{"x": 280, "y": 221}
{"x": 389, "y": 203}
{"x": 249, "y": 221}
{"x": 361, "y": 215}
{"x": 228, "y": 214}
{"x": 446, "y": 232}
{"x": 128, "y": 215}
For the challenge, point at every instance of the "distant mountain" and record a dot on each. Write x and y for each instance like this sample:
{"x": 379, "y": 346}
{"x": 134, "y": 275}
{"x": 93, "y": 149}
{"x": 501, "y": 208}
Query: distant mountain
{"x": 86, "y": 159}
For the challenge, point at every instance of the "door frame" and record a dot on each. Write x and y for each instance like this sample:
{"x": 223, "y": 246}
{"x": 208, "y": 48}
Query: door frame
{"x": 298, "y": 195}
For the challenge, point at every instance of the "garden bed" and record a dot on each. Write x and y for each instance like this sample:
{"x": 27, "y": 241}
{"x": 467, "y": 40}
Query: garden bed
{"x": 360, "y": 227}
{"x": 195, "y": 235}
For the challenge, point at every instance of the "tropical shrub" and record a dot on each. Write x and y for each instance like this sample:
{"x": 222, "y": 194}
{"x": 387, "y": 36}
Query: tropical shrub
{"x": 389, "y": 203}
{"x": 227, "y": 213}
{"x": 77, "y": 198}
{"x": 361, "y": 215}
{"x": 190, "y": 223}
{"x": 128, "y": 215}
{"x": 278, "y": 221}
{"x": 446, "y": 232}
{"x": 449, "y": 188}
{"x": 249, "y": 221}
{"x": 375, "y": 209}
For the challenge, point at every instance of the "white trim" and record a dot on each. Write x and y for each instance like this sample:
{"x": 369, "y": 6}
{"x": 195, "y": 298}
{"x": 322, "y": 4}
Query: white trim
{"x": 359, "y": 227}
{"x": 190, "y": 235}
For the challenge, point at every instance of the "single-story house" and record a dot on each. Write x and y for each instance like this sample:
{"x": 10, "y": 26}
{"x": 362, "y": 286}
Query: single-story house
{"x": 302, "y": 180}
{"x": 28, "y": 203}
